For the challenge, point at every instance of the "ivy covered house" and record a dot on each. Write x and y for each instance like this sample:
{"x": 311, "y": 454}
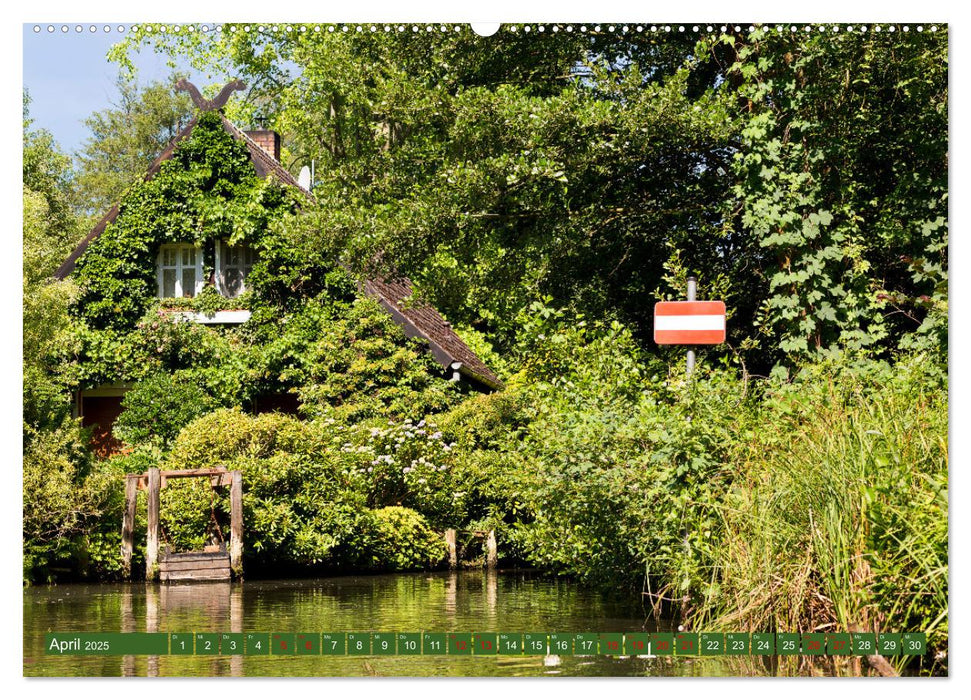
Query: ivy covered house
{"x": 190, "y": 290}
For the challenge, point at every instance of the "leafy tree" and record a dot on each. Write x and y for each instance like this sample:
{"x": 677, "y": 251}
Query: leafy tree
{"x": 125, "y": 139}
{"x": 842, "y": 181}
{"x": 495, "y": 171}
{"x": 49, "y": 229}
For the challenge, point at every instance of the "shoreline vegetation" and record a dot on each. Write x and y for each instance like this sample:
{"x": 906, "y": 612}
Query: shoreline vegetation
{"x": 543, "y": 201}
{"x": 811, "y": 503}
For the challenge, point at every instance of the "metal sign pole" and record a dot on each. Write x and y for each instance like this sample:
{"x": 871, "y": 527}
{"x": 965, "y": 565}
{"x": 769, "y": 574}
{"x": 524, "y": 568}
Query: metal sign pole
{"x": 692, "y": 291}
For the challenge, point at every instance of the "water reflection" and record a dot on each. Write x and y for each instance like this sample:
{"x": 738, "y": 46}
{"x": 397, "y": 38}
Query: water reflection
{"x": 462, "y": 601}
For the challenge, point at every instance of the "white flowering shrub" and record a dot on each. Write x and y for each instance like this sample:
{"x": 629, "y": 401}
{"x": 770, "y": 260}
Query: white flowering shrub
{"x": 403, "y": 464}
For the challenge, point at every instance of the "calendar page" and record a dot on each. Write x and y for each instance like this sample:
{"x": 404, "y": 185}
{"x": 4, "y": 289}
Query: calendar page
{"x": 551, "y": 349}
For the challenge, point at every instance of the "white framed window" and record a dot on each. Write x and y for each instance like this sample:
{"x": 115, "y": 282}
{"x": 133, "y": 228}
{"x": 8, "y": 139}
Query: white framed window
{"x": 233, "y": 265}
{"x": 179, "y": 270}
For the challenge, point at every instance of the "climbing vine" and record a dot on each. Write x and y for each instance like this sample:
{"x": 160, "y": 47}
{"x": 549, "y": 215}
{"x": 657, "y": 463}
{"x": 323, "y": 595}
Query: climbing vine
{"x": 843, "y": 159}
{"x": 207, "y": 191}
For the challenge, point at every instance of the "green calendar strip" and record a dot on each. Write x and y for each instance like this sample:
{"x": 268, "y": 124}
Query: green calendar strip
{"x": 494, "y": 644}
{"x": 106, "y": 643}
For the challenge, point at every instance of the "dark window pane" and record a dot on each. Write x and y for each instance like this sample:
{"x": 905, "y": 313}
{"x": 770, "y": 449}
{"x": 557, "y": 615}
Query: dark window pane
{"x": 189, "y": 282}
{"x": 168, "y": 283}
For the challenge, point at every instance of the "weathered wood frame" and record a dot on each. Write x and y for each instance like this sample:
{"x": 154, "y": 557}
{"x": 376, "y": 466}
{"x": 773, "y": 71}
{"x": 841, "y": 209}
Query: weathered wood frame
{"x": 153, "y": 481}
{"x": 451, "y": 544}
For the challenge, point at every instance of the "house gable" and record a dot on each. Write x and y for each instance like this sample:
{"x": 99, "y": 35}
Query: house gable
{"x": 120, "y": 273}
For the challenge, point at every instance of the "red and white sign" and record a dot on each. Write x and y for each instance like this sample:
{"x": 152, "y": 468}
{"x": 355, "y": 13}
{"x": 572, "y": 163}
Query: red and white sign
{"x": 689, "y": 322}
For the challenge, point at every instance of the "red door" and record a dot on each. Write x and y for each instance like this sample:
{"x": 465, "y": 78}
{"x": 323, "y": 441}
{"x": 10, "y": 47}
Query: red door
{"x": 100, "y": 413}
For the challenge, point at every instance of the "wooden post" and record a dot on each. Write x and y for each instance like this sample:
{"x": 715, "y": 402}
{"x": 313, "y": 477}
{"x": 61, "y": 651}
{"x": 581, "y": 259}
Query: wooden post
{"x": 492, "y": 558}
{"x": 151, "y": 555}
{"x": 128, "y": 525}
{"x": 453, "y": 557}
{"x": 236, "y": 524}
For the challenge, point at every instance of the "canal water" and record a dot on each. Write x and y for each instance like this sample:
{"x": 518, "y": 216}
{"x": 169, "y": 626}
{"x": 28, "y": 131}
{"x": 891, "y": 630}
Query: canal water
{"x": 466, "y": 601}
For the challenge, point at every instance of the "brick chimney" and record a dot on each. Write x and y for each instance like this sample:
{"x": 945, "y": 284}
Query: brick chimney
{"x": 268, "y": 140}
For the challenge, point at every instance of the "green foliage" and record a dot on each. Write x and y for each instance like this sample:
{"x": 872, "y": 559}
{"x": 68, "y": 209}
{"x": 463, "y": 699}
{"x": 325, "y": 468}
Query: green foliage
{"x": 58, "y": 502}
{"x": 407, "y": 464}
{"x": 839, "y": 510}
{"x": 622, "y": 464}
{"x": 47, "y": 338}
{"x": 48, "y": 230}
{"x": 297, "y": 506}
{"x": 226, "y": 435}
{"x": 764, "y": 504}
{"x": 395, "y": 539}
{"x": 207, "y": 191}
{"x": 49, "y": 227}
{"x": 842, "y": 173}
{"x": 317, "y": 493}
{"x": 158, "y": 407}
{"x": 125, "y": 139}
{"x": 352, "y": 362}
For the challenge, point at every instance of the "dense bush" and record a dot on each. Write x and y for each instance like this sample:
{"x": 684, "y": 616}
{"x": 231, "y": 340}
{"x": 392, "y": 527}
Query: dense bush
{"x": 158, "y": 407}
{"x": 787, "y": 502}
{"x": 351, "y": 361}
{"x": 65, "y": 503}
{"x": 297, "y": 505}
{"x": 617, "y": 471}
{"x": 395, "y": 539}
{"x": 313, "y": 490}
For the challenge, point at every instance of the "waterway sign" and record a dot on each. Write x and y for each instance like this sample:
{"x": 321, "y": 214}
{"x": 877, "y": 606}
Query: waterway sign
{"x": 689, "y": 322}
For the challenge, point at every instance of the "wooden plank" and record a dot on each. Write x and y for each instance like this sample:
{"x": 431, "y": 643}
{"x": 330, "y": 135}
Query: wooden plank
{"x": 128, "y": 525}
{"x": 196, "y": 570}
{"x": 214, "y": 571}
{"x": 193, "y": 566}
{"x": 236, "y": 524}
{"x": 189, "y": 565}
{"x": 151, "y": 554}
{"x": 220, "y": 473}
{"x": 213, "y": 575}
{"x": 196, "y": 556}
{"x": 197, "y": 560}
{"x": 186, "y": 473}
{"x": 200, "y": 573}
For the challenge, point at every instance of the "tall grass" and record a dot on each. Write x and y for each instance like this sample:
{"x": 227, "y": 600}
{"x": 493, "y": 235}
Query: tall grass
{"x": 837, "y": 519}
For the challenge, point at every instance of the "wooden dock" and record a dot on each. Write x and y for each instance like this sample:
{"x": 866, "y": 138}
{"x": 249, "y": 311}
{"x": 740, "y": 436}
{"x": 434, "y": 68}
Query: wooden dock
{"x": 188, "y": 566}
{"x": 195, "y": 566}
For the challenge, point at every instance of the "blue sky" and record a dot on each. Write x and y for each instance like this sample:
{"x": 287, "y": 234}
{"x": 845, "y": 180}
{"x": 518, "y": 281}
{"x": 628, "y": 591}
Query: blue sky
{"x": 68, "y": 77}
